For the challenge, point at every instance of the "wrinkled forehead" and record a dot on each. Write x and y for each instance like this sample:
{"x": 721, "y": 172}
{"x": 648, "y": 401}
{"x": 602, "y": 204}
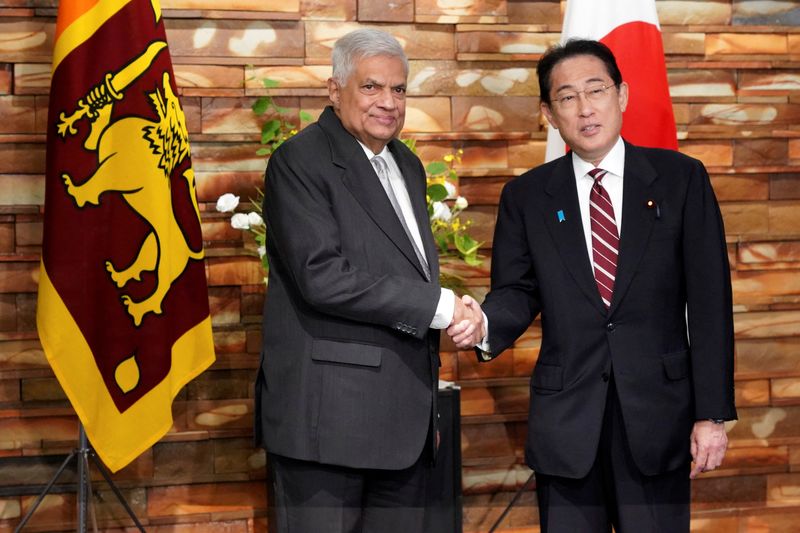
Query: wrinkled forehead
{"x": 577, "y": 72}
{"x": 383, "y": 68}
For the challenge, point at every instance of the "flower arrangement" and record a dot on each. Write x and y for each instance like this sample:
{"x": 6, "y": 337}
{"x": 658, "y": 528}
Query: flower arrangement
{"x": 444, "y": 206}
{"x": 250, "y": 221}
{"x": 275, "y": 130}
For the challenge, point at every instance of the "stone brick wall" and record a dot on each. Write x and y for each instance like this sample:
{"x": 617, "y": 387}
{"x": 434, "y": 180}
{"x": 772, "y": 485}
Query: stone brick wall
{"x": 734, "y": 72}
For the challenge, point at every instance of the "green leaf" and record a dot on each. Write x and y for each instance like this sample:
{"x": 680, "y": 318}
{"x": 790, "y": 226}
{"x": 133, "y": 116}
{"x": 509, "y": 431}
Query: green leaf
{"x": 441, "y": 242}
{"x": 271, "y": 127}
{"x": 437, "y": 192}
{"x": 263, "y": 151}
{"x": 269, "y": 84}
{"x": 305, "y": 116}
{"x": 260, "y": 106}
{"x": 473, "y": 260}
{"x": 411, "y": 144}
{"x": 465, "y": 244}
{"x": 436, "y": 168}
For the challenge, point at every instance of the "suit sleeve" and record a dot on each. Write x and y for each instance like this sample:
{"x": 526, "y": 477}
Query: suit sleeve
{"x": 303, "y": 232}
{"x": 709, "y": 300}
{"x": 513, "y": 301}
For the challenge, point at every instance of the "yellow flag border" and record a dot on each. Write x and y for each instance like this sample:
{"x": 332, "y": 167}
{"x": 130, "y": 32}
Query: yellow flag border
{"x": 85, "y": 26}
{"x": 123, "y": 436}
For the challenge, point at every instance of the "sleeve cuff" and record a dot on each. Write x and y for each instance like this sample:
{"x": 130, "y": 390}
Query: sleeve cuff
{"x": 444, "y": 310}
{"x": 484, "y": 344}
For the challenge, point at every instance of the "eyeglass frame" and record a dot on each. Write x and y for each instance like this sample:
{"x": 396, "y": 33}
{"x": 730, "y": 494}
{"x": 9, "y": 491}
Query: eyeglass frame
{"x": 603, "y": 91}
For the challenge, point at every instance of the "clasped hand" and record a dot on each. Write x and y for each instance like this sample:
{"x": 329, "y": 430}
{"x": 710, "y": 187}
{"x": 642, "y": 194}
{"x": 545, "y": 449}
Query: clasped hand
{"x": 467, "y": 328}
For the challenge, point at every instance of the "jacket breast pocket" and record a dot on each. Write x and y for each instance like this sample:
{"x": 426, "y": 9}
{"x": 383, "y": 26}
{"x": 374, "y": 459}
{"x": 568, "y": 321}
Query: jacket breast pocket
{"x": 676, "y": 365}
{"x": 547, "y": 379}
{"x": 346, "y": 352}
{"x": 663, "y": 232}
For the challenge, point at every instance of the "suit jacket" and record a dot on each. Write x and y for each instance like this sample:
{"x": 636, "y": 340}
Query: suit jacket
{"x": 672, "y": 264}
{"x": 349, "y": 365}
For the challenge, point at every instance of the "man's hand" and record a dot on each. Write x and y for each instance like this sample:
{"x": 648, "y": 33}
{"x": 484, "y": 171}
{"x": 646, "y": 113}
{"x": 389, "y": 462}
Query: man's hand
{"x": 461, "y": 312}
{"x": 709, "y": 442}
{"x": 467, "y": 328}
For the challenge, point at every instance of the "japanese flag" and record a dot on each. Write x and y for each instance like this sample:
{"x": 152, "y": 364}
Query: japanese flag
{"x": 630, "y": 29}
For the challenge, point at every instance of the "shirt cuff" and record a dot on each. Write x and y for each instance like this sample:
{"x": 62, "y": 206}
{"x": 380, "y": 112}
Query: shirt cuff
{"x": 444, "y": 310}
{"x": 484, "y": 344}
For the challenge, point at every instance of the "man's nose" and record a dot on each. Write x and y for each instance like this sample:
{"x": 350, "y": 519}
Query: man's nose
{"x": 585, "y": 107}
{"x": 386, "y": 98}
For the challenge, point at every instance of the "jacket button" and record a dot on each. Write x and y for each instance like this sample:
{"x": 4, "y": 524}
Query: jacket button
{"x": 604, "y": 376}
{"x": 611, "y": 326}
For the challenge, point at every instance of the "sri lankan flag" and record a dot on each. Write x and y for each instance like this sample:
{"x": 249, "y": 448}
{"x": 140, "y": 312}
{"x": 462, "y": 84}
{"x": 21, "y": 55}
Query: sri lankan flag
{"x": 123, "y": 304}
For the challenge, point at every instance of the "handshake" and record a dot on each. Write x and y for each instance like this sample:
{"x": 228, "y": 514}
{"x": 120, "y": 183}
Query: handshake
{"x": 468, "y": 327}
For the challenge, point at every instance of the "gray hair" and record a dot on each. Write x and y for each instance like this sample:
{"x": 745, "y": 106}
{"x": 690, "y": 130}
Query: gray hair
{"x": 358, "y": 44}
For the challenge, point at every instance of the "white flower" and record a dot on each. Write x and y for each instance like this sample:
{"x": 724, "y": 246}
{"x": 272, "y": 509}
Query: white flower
{"x": 461, "y": 203}
{"x": 240, "y": 221}
{"x": 451, "y": 189}
{"x": 441, "y": 212}
{"x": 254, "y": 219}
{"x": 227, "y": 202}
{"x": 262, "y": 251}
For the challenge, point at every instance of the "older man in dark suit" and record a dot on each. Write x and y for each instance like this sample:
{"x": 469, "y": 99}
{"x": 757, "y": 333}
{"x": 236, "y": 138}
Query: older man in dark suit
{"x": 615, "y": 246}
{"x": 346, "y": 392}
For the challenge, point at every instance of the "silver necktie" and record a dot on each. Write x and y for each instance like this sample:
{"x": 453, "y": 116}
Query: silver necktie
{"x": 383, "y": 173}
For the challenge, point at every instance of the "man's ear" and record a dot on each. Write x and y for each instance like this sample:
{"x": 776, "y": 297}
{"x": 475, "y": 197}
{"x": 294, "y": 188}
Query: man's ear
{"x": 548, "y": 113}
{"x": 622, "y": 97}
{"x": 333, "y": 92}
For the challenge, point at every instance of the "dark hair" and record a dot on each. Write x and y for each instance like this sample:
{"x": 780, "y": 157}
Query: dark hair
{"x": 573, "y": 47}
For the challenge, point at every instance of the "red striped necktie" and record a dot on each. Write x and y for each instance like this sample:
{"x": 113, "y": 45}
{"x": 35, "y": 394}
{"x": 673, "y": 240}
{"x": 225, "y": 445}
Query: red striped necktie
{"x": 605, "y": 238}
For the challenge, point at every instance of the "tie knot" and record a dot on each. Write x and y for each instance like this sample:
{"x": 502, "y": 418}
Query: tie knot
{"x": 597, "y": 174}
{"x": 380, "y": 165}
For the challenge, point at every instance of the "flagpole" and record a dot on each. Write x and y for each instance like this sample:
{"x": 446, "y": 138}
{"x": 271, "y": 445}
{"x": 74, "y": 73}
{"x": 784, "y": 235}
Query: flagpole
{"x": 83, "y": 477}
{"x": 82, "y": 454}
{"x": 513, "y": 501}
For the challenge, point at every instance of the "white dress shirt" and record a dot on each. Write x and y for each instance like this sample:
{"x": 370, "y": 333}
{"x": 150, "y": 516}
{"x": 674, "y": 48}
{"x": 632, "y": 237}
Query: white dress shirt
{"x": 614, "y": 164}
{"x": 446, "y": 305}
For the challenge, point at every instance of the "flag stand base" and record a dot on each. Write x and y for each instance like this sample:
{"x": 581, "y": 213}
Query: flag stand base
{"x": 512, "y": 502}
{"x": 82, "y": 454}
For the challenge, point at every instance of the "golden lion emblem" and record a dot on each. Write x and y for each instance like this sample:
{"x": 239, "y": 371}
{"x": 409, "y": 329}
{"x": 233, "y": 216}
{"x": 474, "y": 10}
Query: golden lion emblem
{"x": 136, "y": 157}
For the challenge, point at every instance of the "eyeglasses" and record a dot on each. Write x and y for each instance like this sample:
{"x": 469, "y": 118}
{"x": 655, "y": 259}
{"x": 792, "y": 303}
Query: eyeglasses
{"x": 593, "y": 93}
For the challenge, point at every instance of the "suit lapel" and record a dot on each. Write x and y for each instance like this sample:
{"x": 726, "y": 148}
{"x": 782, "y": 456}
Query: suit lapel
{"x": 417, "y": 185}
{"x": 637, "y": 219}
{"x": 567, "y": 234}
{"x": 361, "y": 180}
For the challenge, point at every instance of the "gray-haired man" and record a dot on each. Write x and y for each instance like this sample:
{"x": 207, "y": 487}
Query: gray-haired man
{"x": 346, "y": 393}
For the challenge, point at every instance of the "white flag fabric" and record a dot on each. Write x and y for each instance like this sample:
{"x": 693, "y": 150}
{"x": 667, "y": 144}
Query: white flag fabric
{"x": 630, "y": 29}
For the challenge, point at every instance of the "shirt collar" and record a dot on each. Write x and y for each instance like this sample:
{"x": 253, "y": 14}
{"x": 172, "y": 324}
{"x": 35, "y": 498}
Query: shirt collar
{"x": 370, "y": 154}
{"x": 613, "y": 162}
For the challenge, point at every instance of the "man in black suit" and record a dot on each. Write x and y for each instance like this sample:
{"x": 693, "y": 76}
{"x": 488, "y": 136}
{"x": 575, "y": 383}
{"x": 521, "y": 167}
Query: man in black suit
{"x": 346, "y": 392}
{"x": 621, "y": 249}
